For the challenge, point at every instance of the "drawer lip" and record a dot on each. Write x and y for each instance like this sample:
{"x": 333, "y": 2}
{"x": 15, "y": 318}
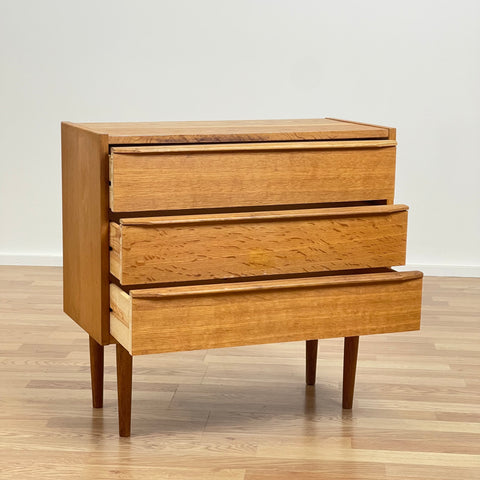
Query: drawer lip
{"x": 242, "y": 147}
{"x": 263, "y": 215}
{"x": 280, "y": 284}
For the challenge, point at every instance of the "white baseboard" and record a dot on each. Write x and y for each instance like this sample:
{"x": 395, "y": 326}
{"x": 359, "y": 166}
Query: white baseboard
{"x": 430, "y": 270}
{"x": 444, "y": 270}
{"x": 34, "y": 260}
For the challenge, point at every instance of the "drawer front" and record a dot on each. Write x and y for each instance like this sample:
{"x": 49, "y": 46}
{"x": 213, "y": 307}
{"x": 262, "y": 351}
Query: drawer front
{"x": 223, "y": 315}
{"x": 200, "y": 247}
{"x": 239, "y": 175}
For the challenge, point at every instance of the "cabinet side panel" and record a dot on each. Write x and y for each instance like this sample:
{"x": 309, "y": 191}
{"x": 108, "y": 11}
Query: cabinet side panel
{"x": 85, "y": 230}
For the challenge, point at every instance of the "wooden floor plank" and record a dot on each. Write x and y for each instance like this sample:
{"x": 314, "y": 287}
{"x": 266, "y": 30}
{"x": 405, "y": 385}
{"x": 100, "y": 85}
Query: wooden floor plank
{"x": 240, "y": 413}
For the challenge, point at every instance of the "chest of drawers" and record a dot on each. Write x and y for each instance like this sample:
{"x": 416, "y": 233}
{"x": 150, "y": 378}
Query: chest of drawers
{"x": 193, "y": 235}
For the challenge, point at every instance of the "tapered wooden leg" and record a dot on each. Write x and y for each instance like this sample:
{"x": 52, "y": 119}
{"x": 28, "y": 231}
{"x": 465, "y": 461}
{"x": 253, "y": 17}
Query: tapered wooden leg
{"x": 124, "y": 389}
{"x": 350, "y": 354}
{"x": 96, "y": 372}
{"x": 311, "y": 361}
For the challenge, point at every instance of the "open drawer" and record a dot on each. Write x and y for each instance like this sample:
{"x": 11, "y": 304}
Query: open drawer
{"x": 269, "y": 311}
{"x": 229, "y": 245}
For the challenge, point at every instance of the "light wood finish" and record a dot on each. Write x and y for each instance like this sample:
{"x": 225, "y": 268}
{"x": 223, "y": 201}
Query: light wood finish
{"x": 253, "y": 147}
{"x": 241, "y": 413}
{"x": 392, "y": 135}
{"x": 392, "y": 132}
{"x": 350, "y": 354}
{"x": 85, "y": 230}
{"x": 323, "y": 212}
{"x": 245, "y": 175}
{"x": 233, "y": 131}
{"x": 116, "y": 250}
{"x": 311, "y": 347}
{"x": 124, "y": 390}
{"x": 198, "y": 247}
{"x": 220, "y": 315}
{"x": 275, "y": 284}
{"x": 96, "y": 372}
{"x": 204, "y": 168}
{"x": 120, "y": 317}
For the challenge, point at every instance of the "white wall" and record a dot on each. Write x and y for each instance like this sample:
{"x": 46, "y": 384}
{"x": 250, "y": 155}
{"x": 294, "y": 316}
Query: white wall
{"x": 411, "y": 64}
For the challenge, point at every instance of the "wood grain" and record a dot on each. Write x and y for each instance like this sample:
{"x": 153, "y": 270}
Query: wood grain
{"x": 392, "y": 132}
{"x": 96, "y": 372}
{"x": 124, "y": 390}
{"x": 252, "y": 147}
{"x": 212, "y": 316}
{"x": 119, "y": 330}
{"x": 116, "y": 249}
{"x": 275, "y": 284}
{"x": 251, "y": 177}
{"x": 305, "y": 213}
{"x": 121, "y": 317}
{"x": 158, "y": 251}
{"x": 85, "y": 230}
{"x": 244, "y": 412}
{"x": 350, "y": 354}
{"x": 311, "y": 349}
{"x": 175, "y": 249}
{"x": 233, "y": 131}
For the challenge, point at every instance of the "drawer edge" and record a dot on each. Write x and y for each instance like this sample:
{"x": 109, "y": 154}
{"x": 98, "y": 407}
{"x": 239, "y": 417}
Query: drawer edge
{"x": 116, "y": 250}
{"x": 121, "y": 316}
{"x": 242, "y": 147}
{"x": 281, "y": 284}
{"x": 266, "y": 215}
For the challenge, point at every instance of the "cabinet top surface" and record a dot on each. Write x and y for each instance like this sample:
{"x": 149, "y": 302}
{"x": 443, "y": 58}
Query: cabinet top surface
{"x": 233, "y": 131}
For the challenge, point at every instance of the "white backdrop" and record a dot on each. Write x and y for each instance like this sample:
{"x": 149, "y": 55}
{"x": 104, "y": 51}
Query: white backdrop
{"x": 414, "y": 65}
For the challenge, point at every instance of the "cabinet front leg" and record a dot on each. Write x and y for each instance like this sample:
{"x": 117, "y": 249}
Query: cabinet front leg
{"x": 96, "y": 372}
{"x": 124, "y": 389}
{"x": 311, "y": 361}
{"x": 350, "y": 354}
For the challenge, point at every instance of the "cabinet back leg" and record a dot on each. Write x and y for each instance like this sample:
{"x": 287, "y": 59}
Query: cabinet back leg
{"x": 350, "y": 354}
{"x": 311, "y": 361}
{"x": 124, "y": 389}
{"x": 96, "y": 372}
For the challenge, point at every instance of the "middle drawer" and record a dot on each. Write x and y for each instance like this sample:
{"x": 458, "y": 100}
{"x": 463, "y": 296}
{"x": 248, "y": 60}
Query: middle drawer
{"x": 201, "y": 247}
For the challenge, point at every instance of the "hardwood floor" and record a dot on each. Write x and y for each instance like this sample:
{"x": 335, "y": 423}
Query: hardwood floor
{"x": 245, "y": 412}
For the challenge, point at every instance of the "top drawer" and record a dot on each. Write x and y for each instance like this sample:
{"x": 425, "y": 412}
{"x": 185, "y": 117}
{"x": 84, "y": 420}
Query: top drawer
{"x": 180, "y": 177}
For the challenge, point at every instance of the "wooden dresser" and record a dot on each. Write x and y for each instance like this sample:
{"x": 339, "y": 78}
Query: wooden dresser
{"x": 194, "y": 235}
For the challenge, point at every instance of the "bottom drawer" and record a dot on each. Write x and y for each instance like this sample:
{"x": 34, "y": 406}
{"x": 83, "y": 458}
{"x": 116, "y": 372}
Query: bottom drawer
{"x": 198, "y": 317}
